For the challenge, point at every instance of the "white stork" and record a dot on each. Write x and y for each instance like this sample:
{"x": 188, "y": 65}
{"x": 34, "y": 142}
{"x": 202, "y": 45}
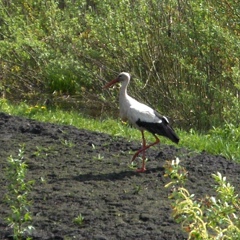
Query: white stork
{"x": 141, "y": 117}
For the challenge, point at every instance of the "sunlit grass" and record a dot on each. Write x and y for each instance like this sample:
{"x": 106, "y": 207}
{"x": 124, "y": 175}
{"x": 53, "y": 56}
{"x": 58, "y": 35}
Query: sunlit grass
{"x": 223, "y": 141}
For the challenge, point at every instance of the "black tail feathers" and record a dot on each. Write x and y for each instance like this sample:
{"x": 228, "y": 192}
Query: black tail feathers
{"x": 168, "y": 130}
{"x": 161, "y": 128}
{"x": 170, "y": 133}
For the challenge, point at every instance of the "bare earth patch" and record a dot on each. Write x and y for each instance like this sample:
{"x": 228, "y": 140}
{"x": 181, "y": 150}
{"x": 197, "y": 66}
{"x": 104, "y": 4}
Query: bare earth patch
{"x": 81, "y": 172}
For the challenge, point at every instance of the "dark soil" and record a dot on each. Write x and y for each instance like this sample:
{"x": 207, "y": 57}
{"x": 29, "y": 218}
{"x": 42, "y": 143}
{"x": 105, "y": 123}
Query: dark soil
{"x": 82, "y": 172}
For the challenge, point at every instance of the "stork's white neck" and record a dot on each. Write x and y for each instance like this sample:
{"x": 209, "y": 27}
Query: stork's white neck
{"x": 124, "y": 102}
{"x": 123, "y": 89}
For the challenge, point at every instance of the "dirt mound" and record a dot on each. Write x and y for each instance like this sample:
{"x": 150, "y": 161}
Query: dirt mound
{"x": 82, "y": 172}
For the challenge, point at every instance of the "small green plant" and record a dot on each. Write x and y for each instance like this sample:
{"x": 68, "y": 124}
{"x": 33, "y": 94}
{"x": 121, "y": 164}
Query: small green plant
{"x": 17, "y": 196}
{"x": 137, "y": 189}
{"x": 211, "y": 217}
{"x": 132, "y": 165}
{"x": 42, "y": 151}
{"x": 79, "y": 219}
{"x": 67, "y": 143}
{"x": 99, "y": 157}
{"x": 176, "y": 172}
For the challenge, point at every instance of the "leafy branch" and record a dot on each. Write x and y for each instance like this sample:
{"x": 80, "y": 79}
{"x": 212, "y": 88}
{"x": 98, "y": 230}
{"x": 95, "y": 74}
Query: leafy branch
{"x": 207, "y": 218}
{"x": 17, "y": 196}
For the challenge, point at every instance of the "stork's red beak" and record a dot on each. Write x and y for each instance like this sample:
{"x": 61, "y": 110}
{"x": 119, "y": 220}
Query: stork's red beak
{"x": 108, "y": 85}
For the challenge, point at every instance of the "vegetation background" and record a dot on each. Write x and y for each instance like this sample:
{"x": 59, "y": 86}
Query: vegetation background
{"x": 183, "y": 54}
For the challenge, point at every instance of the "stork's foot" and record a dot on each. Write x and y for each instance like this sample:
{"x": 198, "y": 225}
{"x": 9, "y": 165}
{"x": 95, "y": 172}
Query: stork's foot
{"x": 141, "y": 170}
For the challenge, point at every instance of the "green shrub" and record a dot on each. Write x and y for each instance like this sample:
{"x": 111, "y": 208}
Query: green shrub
{"x": 17, "y": 196}
{"x": 215, "y": 217}
{"x": 184, "y": 57}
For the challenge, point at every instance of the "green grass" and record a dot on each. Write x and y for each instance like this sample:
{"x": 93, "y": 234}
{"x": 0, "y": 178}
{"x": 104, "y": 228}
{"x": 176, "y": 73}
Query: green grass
{"x": 224, "y": 141}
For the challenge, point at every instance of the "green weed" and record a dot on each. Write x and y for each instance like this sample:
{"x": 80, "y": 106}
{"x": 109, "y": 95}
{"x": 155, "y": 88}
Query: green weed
{"x": 211, "y": 217}
{"x": 79, "y": 219}
{"x": 133, "y": 165}
{"x": 67, "y": 143}
{"x": 137, "y": 189}
{"x": 17, "y": 196}
{"x": 99, "y": 157}
{"x": 42, "y": 151}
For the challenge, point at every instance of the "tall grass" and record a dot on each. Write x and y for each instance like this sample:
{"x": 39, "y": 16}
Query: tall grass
{"x": 223, "y": 141}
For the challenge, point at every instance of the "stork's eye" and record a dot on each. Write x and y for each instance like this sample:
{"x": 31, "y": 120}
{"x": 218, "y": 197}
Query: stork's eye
{"x": 120, "y": 77}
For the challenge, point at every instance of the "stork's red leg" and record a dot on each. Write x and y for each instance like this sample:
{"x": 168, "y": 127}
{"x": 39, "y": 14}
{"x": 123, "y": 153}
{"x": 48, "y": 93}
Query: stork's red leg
{"x": 143, "y": 149}
{"x": 143, "y": 145}
{"x": 143, "y": 169}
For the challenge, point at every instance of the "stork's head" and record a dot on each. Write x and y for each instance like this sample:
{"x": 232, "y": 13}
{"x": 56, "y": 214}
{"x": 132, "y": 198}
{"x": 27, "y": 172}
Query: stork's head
{"x": 122, "y": 77}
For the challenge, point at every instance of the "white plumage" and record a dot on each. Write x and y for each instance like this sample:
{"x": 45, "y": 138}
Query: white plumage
{"x": 141, "y": 116}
